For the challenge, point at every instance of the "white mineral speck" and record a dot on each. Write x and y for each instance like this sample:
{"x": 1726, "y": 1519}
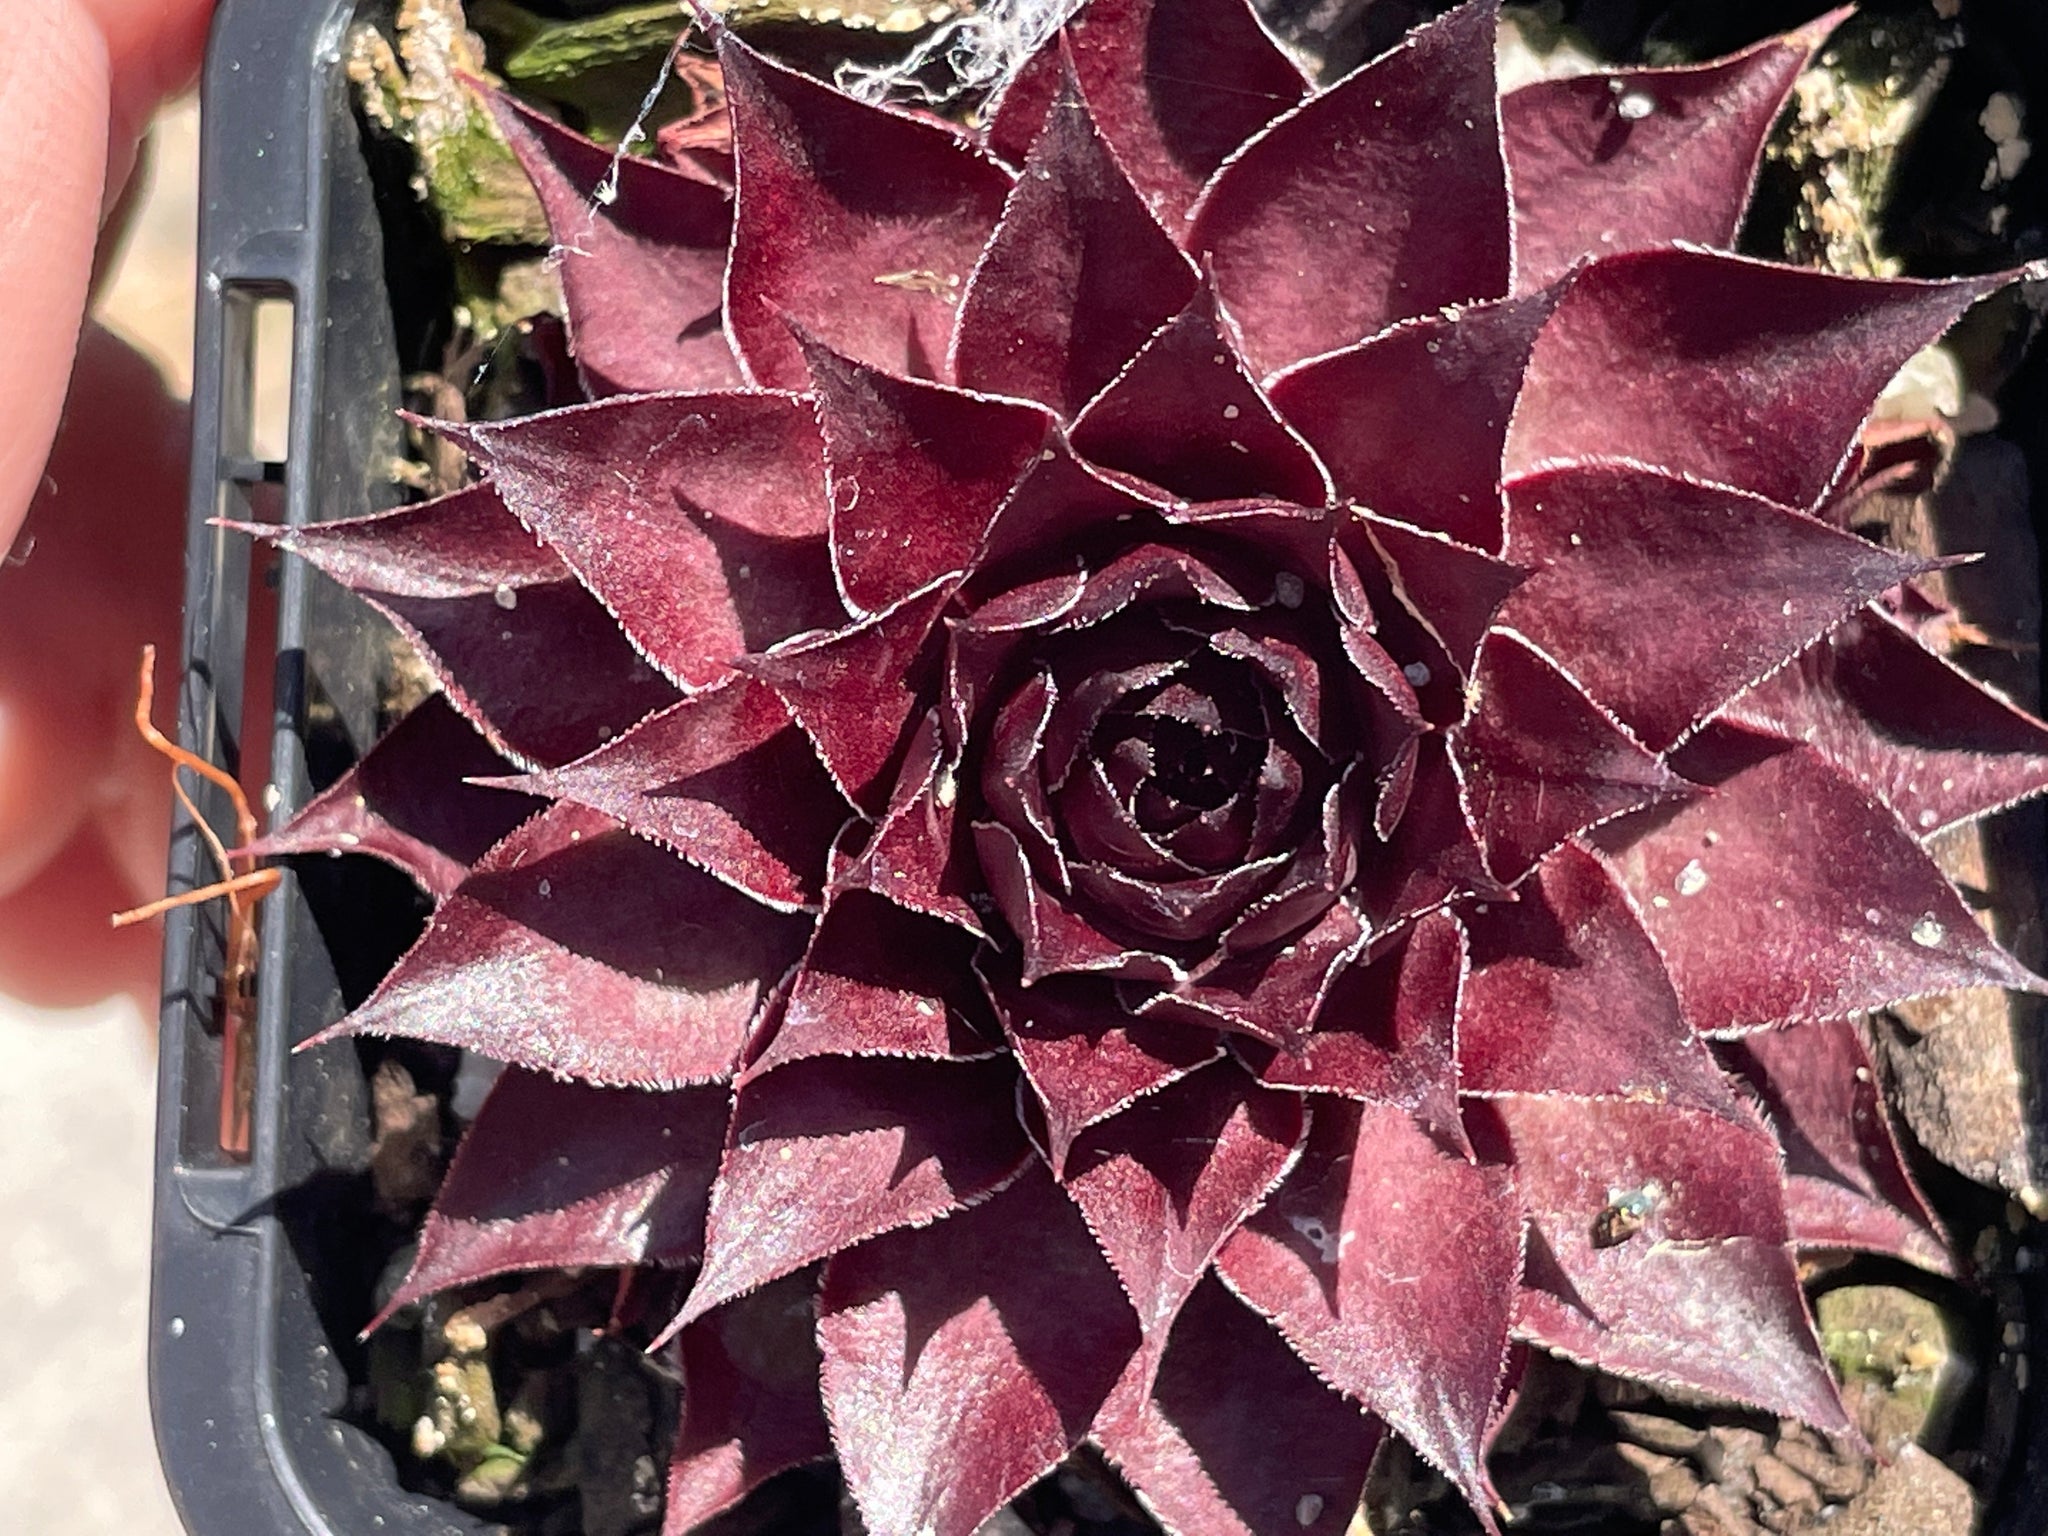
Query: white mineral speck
{"x": 1928, "y": 933}
{"x": 1230, "y": 413}
{"x": 1691, "y": 880}
{"x": 1318, "y": 1236}
{"x": 1927, "y": 818}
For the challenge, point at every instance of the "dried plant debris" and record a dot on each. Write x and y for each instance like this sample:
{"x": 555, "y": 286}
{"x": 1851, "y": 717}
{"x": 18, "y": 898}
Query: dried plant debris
{"x": 1218, "y": 773}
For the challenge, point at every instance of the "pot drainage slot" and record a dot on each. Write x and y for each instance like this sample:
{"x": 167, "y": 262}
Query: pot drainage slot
{"x": 256, "y": 386}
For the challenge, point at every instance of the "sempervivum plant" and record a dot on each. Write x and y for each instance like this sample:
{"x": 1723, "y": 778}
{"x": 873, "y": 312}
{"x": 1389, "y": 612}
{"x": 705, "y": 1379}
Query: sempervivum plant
{"x": 1188, "y": 767}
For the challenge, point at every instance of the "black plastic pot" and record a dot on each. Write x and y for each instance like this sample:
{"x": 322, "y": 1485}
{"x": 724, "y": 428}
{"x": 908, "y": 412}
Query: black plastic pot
{"x": 248, "y": 1304}
{"x": 260, "y": 1281}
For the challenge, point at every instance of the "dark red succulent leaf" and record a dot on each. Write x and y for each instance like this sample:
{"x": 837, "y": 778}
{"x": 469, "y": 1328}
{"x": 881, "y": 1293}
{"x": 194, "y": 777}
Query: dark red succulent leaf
{"x": 917, "y": 857}
{"x": 1014, "y": 116}
{"x": 1433, "y": 854}
{"x": 641, "y": 249}
{"x": 1621, "y": 159}
{"x": 750, "y": 1401}
{"x": 1219, "y": 1445}
{"x": 523, "y": 652}
{"x": 619, "y": 1179}
{"x": 698, "y": 520}
{"x": 857, "y": 690}
{"x": 1721, "y": 368}
{"x": 1658, "y": 1250}
{"x": 914, "y": 472}
{"x": 1166, "y": 1181}
{"x": 1062, "y": 502}
{"x": 723, "y": 778}
{"x": 1722, "y": 587}
{"x": 825, "y": 1154}
{"x": 1453, "y": 590}
{"x": 1271, "y": 994}
{"x": 957, "y": 1369}
{"x": 1085, "y": 1057}
{"x": 1568, "y": 996}
{"x": 861, "y": 223}
{"x": 1846, "y": 1183}
{"x": 1076, "y": 276}
{"x": 1538, "y": 761}
{"x": 1386, "y": 1030}
{"x": 880, "y": 981}
{"x": 1911, "y": 728}
{"x": 1412, "y": 422}
{"x": 394, "y": 806}
{"x": 1832, "y": 904}
{"x": 1185, "y": 415}
{"x": 1380, "y": 1252}
{"x": 578, "y": 949}
{"x": 1056, "y": 937}
{"x": 1382, "y": 198}
{"x": 1177, "y": 88}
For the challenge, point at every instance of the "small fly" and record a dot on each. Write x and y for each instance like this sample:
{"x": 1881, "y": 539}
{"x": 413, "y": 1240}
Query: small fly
{"x": 1624, "y": 1214}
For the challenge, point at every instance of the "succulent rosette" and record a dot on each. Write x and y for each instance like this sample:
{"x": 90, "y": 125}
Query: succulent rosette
{"x": 1189, "y": 767}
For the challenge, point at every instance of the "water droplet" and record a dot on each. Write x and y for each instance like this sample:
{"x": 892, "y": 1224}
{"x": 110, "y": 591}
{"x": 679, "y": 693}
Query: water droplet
{"x": 1289, "y": 590}
{"x": 273, "y": 797}
{"x": 1635, "y": 106}
{"x": 1432, "y": 347}
{"x": 177, "y": 1327}
{"x": 1690, "y": 880}
{"x": 1308, "y": 1509}
{"x": 1928, "y": 933}
{"x": 1417, "y": 673}
{"x": 505, "y": 597}
{"x": 546, "y": 889}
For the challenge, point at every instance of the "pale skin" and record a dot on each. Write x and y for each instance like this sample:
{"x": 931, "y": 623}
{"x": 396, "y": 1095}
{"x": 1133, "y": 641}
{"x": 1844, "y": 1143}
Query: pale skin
{"x": 92, "y": 466}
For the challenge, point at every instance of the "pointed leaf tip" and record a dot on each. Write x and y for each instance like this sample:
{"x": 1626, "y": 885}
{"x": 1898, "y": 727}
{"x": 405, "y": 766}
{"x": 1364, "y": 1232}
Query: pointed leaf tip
{"x": 861, "y": 222}
{"x": 643, "y": 269}
{"x": 1380, "y": 1251}
{"x": 1077, "y": 275}
{"x": 1382, "y": 198}
{"x": 1721, "y": 368}
{"x": 954, "y": 1375}
{"x": 1622, "y": 159}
